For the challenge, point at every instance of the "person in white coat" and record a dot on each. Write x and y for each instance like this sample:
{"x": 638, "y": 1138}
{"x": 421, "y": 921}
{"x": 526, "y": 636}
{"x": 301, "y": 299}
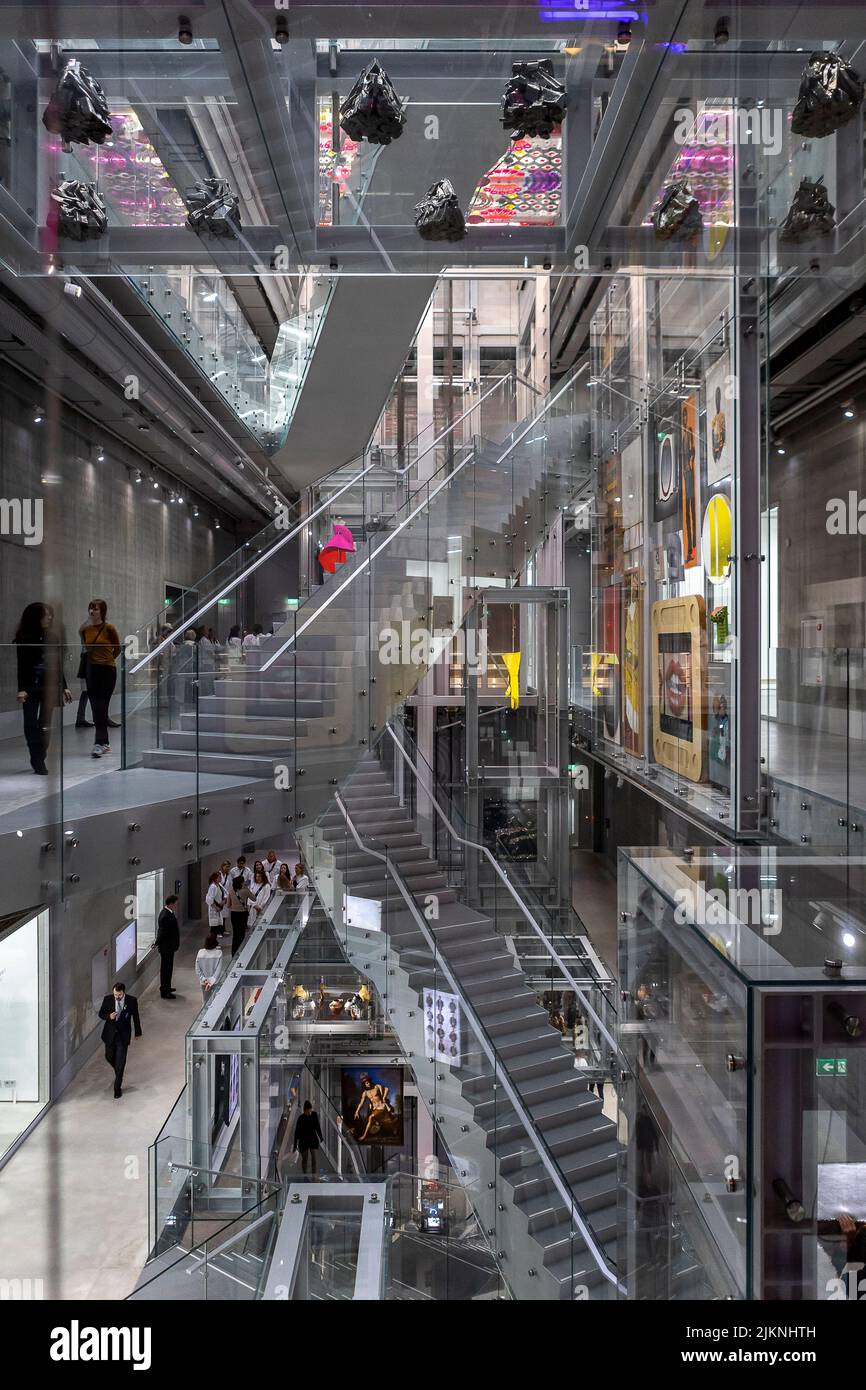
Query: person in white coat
{"x": 243, "y": 868}
{"x": 272, "y": 868}
{"x": 259, "y": 896}
{"x": 208, "y": 966}
{"x": 226, "y": 876}
{"x": 215, "y": 898}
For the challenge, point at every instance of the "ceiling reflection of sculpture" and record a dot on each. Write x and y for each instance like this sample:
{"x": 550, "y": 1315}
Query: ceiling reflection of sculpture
{"x": 334, "y": 166}
{"x": 707, "y": 161}
{"x": 131, "y": 177}
{"x": 523, "y": 188}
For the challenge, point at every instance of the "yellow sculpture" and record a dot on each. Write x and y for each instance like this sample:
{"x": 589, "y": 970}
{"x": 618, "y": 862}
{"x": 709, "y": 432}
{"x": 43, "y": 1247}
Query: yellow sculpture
{"x": 512, "y": 666}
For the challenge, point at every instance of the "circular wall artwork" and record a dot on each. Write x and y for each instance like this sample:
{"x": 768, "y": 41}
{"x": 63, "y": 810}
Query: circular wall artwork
{"x": 716, "y": 538}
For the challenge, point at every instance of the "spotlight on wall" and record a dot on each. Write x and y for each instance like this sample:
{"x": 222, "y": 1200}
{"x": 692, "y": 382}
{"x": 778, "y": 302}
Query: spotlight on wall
{"x": 281, "y": 33}
{"x": 848, "y": 411}
{"x": 154, "y": 482}
{"x": 38, "y": 415}
{"x": 216, "y": 526}
{"x": 722, "y": 32}
{"x": 195, "y": 511}
{"x": 184, "y": 29}
{"x": 780, "y": 449}
{"x": 100, "y": 455}
{"x": 138, "y": 476}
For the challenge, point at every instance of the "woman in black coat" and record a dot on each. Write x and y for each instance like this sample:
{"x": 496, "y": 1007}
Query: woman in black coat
{"x": 308, "y": 1133}
{"x": 41, "y": 682}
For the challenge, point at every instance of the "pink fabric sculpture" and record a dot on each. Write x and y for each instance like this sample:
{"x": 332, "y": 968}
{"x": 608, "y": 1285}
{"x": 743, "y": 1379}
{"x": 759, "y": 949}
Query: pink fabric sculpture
{"x": 338, "y": 545}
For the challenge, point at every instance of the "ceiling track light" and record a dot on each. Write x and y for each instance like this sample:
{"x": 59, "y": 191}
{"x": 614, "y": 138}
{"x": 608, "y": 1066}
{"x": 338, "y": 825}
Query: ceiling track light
{"x": 623, "y": 31}
{"x": 722, "y": 31}
{"x": 281, "y": 32}
{"x": 38, "y": 415}
{"x": 184, "y": 29}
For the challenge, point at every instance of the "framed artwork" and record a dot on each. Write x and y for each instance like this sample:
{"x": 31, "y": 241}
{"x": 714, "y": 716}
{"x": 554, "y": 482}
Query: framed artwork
{"x": 690, "y": 478}
{"x": 719, "y": 424}
{"x": 632, "y": 484}
{"x": 632, "y": 665}
{"x": 716, "y": 538}
{"x": 679, "y": 657}
{"x": 608, "y": 677}
{"x": 665, "y": 436}
{"x": 372, "y": 1099}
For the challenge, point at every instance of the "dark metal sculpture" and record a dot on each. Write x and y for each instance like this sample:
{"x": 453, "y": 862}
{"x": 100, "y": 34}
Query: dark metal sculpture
{"x": 78, "y": 111}
{"x": 213, "y": 208}
{"x": 831, "y": 94}
{"x": 677, "y": 214}
{"x": 534, "y": 100}
{"x": 373, "y": 111}
{"x": 438, "y": 216}
{"x": 810, "y": 215}
{"x": 80, "y": 212}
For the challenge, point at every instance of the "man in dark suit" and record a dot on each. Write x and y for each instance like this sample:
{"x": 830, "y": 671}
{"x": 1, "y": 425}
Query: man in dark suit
{"x": 167, "y": 942}
{"x": 120, "y": 1014}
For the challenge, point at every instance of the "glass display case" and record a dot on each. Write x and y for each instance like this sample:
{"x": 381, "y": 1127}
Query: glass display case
{"x": 743, "y": 1003}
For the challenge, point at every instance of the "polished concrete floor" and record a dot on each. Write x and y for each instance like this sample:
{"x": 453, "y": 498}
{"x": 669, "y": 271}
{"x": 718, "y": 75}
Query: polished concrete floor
{"x": 593, "y": 897}
{"x": 74, "y": 1198}
{"x": 90, "y": 786}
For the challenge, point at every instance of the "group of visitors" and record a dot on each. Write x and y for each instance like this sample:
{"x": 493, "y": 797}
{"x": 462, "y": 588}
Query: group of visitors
{"x": 236, "y": 898}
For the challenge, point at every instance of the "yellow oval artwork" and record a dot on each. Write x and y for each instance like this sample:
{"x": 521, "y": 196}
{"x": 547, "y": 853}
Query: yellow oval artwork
{"x": 716, "y": 538}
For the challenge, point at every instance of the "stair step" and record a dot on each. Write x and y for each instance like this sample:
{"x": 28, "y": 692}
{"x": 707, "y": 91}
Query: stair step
{"x": 241, "y": 765}
{"x": 228, "y": 743}
{"x": 595, "y": 1193}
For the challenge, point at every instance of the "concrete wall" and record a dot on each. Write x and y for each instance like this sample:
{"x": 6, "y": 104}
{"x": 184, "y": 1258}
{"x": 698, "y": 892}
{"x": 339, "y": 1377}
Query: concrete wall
{"x": 104, "y": 535}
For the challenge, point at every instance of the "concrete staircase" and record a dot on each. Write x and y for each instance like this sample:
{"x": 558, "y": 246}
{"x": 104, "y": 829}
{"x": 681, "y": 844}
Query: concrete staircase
{"x": 491, "y": 980}
{"x": 317, "y": 704}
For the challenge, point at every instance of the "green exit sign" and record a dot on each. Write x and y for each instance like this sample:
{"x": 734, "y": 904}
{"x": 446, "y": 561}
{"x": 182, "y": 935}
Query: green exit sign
{"x": 831, "y": 1066}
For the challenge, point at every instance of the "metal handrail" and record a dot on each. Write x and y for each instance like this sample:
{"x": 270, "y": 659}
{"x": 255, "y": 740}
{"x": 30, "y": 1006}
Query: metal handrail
{"x": 548, "y": 1162}
{"x": 446, "y": 480}
{"x": 472, "y": 844}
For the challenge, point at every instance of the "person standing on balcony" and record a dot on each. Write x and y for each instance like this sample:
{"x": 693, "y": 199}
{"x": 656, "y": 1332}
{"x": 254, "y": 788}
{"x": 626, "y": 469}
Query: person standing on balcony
{"x": 215, "y": 901}
{"x": 168, "y": 944}
{"x": 272, "y": 868}
{"x": 41, "y": 683}
{"x": 101, "y": 642}
{"x": 238, "y": 895}
{"x": 259, "y": 895}
{"x": 225, "y": 885}
{"x": 308, "y": 1136}
{"x": 208, "y": 965}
